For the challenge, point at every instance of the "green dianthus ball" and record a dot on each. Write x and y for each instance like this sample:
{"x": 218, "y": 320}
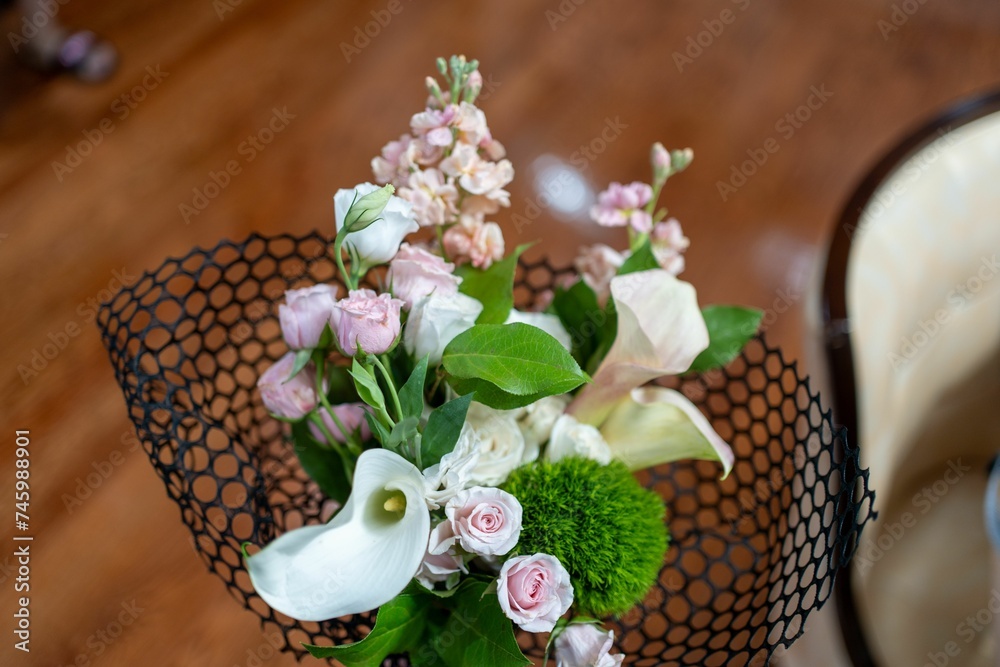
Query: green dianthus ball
{"x": 603, "y": 526}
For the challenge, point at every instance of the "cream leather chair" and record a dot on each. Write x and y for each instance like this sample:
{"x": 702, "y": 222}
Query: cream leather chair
{"x": 911, "y": 321}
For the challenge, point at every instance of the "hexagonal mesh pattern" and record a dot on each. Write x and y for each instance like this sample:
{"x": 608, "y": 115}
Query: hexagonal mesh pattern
{"x": 751, "y": 556}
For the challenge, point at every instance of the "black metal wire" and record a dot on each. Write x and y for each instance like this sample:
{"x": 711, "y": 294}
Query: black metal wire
{"x": 750, "y": 557}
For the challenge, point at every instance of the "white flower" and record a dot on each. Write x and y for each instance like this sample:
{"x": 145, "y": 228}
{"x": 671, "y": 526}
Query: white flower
{"x": 501, "y": 444}
{"x": 550, "y": 324}
{"x": 377, "y": 243}
{"x": 362, "y": 559}
{"x": 536, "y": 421}
{"x": 435, "y": 320}
{"x": 438, "y": 566}
{"x": 454, "y": 472}
{"x": 586, "y": 645}
{"x": 571, "y": 438}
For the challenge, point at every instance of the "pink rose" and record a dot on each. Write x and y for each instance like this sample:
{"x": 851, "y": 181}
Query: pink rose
{"x": 622, "y": 205}
{"x": 483, "y": 520}
{"x": 415, "y": 273}
{"x": 369, "y": 321}
{"x": 291, "y": 399}
{"x": 305, "y": 313}
{"x": 351, "y": 415}
{"x": 586, "y": 645}
{"x": 534, "y": 591}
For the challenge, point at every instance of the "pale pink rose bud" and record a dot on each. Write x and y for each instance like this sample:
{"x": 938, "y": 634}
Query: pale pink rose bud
{"x": 534, "y": 591}
{"x": 586, "y": 645}
{"x": 415, "y": 273}
{"x": 440, "y": 561}
{"x": 305, "y": 314}
{"x": 351, "y": 415}
{"x": 485, "y": 520}
{"x": 369, "y": 321}
{"x": 291, "y": 399}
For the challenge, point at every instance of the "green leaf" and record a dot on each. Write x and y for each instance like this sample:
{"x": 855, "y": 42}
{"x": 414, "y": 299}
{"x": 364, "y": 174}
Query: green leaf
{"x": 515, "y": 358}
{"x": 583, "y": 318}
{"x": 642, "y": 259}
{"x": 367, "y": 385}
{"x": 377, "y": 427}
{"x": 491, "y": 395}
{"x": 402, "y": 434}
{"x": 729, "y": 329}
{"x": 477, "y": 632}
{"x": 322, "y": 463}
{"x": 302, "y": 358}
{"x": 411, "y": 394}
{"x": 399, "y": 625}
{"x": 443, "y": 428}
{"x": 494, "y": 287}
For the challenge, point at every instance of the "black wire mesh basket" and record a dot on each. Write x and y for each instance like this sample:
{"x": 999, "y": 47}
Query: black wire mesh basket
{"x": 751, "y": 556}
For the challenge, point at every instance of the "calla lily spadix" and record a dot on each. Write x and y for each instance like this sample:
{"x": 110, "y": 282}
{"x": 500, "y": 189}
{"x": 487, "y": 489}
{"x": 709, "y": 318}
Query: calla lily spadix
{"x": 660, "y": 332}
{"x": 360, "y": 560}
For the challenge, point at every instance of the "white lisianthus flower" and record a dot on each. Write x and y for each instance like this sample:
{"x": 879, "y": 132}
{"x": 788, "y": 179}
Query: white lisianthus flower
{"x": 377, "y": 243}
{"x": 536, "y": 421}
{"x": 501, "y": 444}
{"x": 454, "y": 472}
{"x": 571, "y": 438}
{"x": 550, "y": 324}
{"x": 435, "y": 320}
{"x": 379, "y": 538}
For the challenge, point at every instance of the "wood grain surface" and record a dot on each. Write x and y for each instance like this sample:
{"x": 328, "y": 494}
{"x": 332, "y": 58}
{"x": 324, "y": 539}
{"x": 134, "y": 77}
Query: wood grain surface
{"x": 92, "y": 179}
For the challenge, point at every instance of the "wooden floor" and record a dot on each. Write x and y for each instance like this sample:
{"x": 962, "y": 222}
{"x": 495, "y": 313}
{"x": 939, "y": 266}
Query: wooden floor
{"x": 92, "y": 179}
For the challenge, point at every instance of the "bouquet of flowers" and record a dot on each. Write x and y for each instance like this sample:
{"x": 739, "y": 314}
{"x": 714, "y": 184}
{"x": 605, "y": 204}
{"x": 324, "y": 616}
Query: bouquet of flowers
{"x": 481, "y": 457}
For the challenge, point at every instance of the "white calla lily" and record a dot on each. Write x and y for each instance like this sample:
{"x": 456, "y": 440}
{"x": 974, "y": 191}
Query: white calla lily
{"x": 360, "y": 560}
{"x": 655, "y": 425}
{"x": 660, "y": 332}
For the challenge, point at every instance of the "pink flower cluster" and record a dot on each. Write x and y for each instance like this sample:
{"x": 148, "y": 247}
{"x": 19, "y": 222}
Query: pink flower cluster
{"x": 454, "y": 173}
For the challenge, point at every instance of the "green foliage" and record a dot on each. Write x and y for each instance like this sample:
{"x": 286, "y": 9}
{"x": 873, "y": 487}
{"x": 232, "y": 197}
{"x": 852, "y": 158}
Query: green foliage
{"x": 493, "y": 287}
{"x": 642, "y": 259}
{"x": 367, "y": 385}
{"x": 606, "y": 529}
{"x": 398, "y": 626}
{"x": 510, "y": 365}
{"x": 443, "y": 428}
{"x": 476, "y": 632}
{"x": 582, "y": 316}
{"x": 323, "y": 463}
{"x": 411, "y": 394}
{"x": 729, "y": 329}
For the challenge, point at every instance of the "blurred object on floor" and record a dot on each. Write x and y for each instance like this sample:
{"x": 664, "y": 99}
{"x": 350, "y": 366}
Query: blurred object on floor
{"x": 46, "y": 45}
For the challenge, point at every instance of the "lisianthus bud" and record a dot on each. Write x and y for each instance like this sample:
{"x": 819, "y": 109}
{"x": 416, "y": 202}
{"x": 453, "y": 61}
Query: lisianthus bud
{"x": 351, "y": 415}
{"x": 380, "y": 226}
{"x": 305, "y": 314}
{"x": 369, "y": 321}
{"x": 289, "y": 398}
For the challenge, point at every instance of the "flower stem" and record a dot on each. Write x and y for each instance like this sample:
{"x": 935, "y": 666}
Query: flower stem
{"x": 325, "y": 402}
{"x": 338, "y": 256}
{"x": 392, "y": 388}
